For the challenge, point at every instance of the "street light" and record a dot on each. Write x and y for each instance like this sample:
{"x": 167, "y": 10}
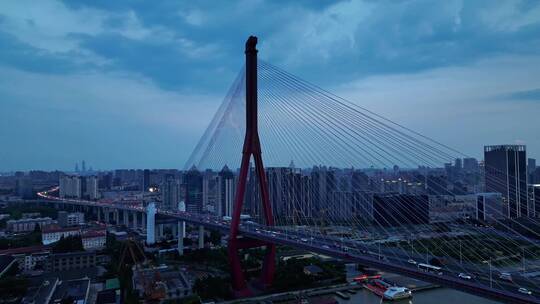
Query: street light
{"x": 490, "y": 277}
{"x": 460, "y": 256}
{"x": 523, "y": 258}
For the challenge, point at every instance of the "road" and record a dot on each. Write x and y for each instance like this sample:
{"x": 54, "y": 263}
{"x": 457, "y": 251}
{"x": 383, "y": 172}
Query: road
{"x": 387, "y": 259}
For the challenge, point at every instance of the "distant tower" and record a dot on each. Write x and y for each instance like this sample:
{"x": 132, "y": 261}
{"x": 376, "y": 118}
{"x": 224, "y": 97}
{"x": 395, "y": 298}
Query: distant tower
{"x": 83, "y": 166}
{"x": 76, "y": 167}
{"x": 151, "y": 223}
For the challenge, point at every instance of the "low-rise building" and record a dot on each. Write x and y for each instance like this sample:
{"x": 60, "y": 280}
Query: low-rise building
{"x": 55, "y": 291}
{"x": 68, "y": 219}
{"x": 28, "y": 224}
{"x": 94, "y": 239}
{"x": 54, "y": 234}
{"x": 71, "y": 260}
{"x": 6, "y": 262}
{"x": 448, "y": 208}
{"x": 28, "y": 258}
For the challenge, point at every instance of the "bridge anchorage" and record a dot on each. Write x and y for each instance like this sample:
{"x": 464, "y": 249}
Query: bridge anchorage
{"x": 252, "y": 147}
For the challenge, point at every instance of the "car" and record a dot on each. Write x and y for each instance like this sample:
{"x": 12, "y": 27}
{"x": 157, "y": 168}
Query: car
{"x": 524, "y": 291}
{"x": 411, "y": 261}
{"x": 464, "y": 276}
{"x": 304, "y": 240}
{"x": 505, "y": 276}
{"x": 325, "y": 247}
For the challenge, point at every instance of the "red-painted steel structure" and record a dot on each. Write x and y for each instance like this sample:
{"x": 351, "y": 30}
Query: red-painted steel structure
{"x": 252, "y": 146}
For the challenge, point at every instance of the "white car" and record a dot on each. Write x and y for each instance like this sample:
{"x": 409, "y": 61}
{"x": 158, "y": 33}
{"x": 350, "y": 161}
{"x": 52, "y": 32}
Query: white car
{"x": 524, "y": 291}
{"x": 464, "y": 276}
{"x": 411, "y": 261}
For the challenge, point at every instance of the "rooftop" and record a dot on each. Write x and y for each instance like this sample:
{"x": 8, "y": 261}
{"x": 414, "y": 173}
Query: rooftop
{"x": 76, "y": 289}
{"x": 30, "y": 249}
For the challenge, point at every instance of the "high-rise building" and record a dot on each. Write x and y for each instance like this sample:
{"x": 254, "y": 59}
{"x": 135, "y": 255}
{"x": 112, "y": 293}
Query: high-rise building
{"x": 70, "y": 186}
{"x": 252, "y": 200}
{"x": 534, "y": 200}
{"x": 323, "y": 183}
{"x": 105, "y": 181}
{"x": 193, "y": 188}
{"x": 400, "y": 209}
{"x": 83, "y": 166}
{"x": 489, "y": 207}
{"x": 145, "y": 180}
{"x": 286, "y": 188}
{"x": 359, "y": 181}
{"x": 225, "y": 192}
{"x": 170, "y": 192}
{"x": 506, "y": 173}
{"x": 458, "y": 164}
{"x": 531, "y": 167}
{"x": 210, "y": 191}
{"x": 470, "y": 165}
{"x": 90, "y": 189}
{"x": 24, "y": 187}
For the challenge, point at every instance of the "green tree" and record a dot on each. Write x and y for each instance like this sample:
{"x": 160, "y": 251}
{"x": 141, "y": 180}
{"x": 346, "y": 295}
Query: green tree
{"x": 68, "y": 244}
{"x": 212, "y": 288}
{"x": 215, "y": 237}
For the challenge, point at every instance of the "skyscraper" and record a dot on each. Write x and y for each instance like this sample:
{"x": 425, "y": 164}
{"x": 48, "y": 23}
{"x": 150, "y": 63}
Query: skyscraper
{"x": 470, "y": 165}
{"x": 210, "y": 191}
{"x": 90, "y": 187}
{"x": 531, "y": 167}
{"x": 145, "y": 180}
{"x": 225, "y": 192}
{"x": 506, "y": 173}
{"x": 323, "y": 183}
{"x": 193, "y": 188}
{"x": 170, "y": 192}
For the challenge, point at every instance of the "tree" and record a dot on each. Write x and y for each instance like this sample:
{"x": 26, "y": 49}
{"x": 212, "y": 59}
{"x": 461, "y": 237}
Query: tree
{"x": 37, "y": 228}
{"x": 215, "y": 237}
{"x": 436, "y": 262}
{"x": 67, "y": 300}
{"x": 68, "y": 244}
{"x": 212, "y": 288}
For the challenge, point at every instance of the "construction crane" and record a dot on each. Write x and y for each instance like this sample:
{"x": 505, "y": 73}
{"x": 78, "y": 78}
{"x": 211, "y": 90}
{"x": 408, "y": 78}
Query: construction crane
{"x": 154, "y": 288}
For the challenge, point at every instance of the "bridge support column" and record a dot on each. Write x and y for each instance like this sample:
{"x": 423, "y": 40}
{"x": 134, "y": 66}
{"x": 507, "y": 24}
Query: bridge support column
{"x": 174, "y": 231}
{"x": 125, "y": 218}
{"x": 160, "y": 231}
{"x": 98, "y": 214}
{"x": 181, "y": 235}
{"x": 151, "y": 224}
{"x": 134, "y": 216}
{"x": 143, "y": 216}
{"x": 116, "y": 217}
{"x": 201, "y": 237}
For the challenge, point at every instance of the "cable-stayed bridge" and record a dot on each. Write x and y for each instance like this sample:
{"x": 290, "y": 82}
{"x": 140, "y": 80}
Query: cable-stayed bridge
{"x": 312, "y": 173}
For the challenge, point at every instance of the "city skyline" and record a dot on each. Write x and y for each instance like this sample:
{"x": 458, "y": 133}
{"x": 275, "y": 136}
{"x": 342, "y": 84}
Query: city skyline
{"x": 76, "y": 86}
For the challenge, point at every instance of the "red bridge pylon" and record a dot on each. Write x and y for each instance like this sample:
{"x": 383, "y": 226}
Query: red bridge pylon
{"x": 252, "y": 146}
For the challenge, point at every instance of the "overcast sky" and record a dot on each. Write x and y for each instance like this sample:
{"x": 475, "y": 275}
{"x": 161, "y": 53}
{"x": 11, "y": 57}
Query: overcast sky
{"x": 134, "y": 85}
